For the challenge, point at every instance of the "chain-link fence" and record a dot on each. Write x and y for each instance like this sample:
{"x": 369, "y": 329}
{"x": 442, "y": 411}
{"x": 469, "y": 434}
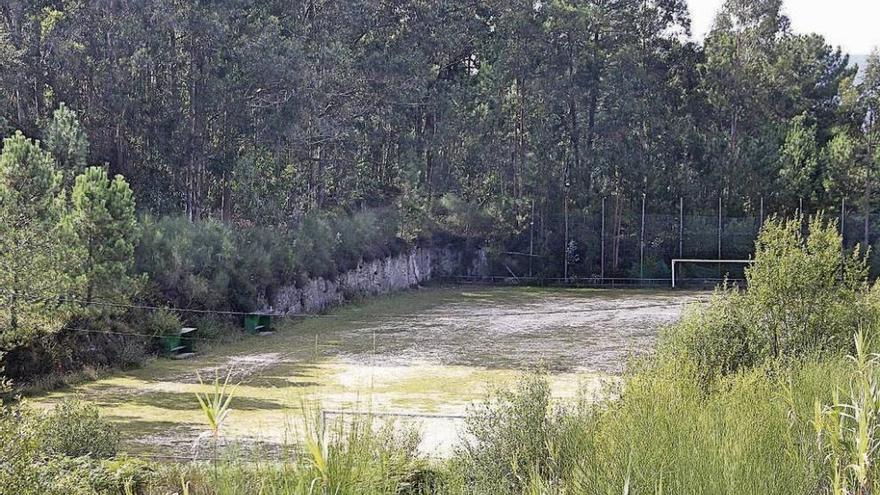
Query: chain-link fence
{"x": 633, "y": 243}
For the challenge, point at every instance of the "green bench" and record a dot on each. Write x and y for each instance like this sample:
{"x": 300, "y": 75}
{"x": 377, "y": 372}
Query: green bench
{"x": 257, "y": 323}
{"x": 181, "y": 344}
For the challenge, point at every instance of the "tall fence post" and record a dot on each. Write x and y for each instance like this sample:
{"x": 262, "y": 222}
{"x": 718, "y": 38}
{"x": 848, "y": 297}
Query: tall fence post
{"x": 565, "y": 246}
{"x": 531, "y": 238}
{"x": 681, "y": 227}
{"x": 642, "y": 242}
{"x": 719, "y": 227}
{"x": 602, "y": 236}
{"x": 761, "y": 215}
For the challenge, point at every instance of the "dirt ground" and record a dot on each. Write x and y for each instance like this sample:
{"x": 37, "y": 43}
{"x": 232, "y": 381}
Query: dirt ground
{"x": 431, "y": 351}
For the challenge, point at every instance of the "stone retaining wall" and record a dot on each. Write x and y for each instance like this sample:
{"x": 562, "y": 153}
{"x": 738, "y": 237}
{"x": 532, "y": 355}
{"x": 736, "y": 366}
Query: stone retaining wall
{"x": 382, "y": 276}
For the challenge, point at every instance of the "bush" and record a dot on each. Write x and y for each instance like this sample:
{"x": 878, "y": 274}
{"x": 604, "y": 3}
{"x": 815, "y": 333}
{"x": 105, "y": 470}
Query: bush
{"x": 187, "y": 263}
{"x": 513, "y": 441}
{"x": 750, "y": 434}
{"x": 86, "y": 475}
{"x": 73, "y": 428}
{"x": 464, "y": 219}
{"x": 653, "y": 268}
{"x": 212, "y": 265}
{"x": 161, "y": 322}
{"x": 264, "y": 260}
{"x": 713, "y": 337}
{"x": 314, "y": 245}
{"x": 365, "y": 235}
{"x": 218, "y": 327}
{"x": 803, "y": 297}
{"x": 803, "y": 294}
{"x": 59, "y": 452}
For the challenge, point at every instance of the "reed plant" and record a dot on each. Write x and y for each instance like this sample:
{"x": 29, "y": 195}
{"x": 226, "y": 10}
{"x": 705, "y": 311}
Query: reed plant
{"x": 354, "y": 455}
{"x": 848, "y": 429}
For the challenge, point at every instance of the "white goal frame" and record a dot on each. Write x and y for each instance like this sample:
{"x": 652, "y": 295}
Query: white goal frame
{"x": 693, "y": 260}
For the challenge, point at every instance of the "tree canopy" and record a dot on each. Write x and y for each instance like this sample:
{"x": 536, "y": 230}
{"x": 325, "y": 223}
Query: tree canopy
{"x": 259, "y": 112}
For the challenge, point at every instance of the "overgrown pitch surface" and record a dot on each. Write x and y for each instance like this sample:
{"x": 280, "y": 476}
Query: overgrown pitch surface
{"x": 429, "y": 351}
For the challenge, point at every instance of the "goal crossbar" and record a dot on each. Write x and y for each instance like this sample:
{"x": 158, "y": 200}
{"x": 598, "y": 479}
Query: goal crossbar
{"x": 692, "y": 260}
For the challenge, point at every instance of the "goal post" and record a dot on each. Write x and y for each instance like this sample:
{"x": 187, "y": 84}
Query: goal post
{"x": 679, "y": 261}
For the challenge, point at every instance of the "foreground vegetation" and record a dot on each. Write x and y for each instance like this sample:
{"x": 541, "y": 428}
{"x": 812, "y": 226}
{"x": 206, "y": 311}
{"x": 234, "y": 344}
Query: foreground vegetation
{"x": 772, "y": 389}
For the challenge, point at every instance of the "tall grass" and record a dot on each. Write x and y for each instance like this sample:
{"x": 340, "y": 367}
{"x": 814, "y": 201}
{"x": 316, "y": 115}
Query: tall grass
{"x": 752, "y": 433}
{"x": 848, "y": 430}
{"x": 728, "y": 403}
{"x": 348, "y": 457}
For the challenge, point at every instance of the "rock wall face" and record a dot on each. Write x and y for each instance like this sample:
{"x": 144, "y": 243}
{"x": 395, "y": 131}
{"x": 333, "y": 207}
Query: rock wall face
{"x": 376, "y": 277}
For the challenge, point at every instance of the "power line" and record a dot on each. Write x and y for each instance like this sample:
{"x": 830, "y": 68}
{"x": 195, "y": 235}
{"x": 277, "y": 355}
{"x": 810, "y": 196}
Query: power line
{"x": 342, "y": 318}
{"x": 129, "y": 334}
{"x": 64, "y": 298}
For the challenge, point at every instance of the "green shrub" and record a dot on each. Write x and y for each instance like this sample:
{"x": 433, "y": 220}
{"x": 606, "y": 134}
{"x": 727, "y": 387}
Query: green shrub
{"x": 86, "y": 475}
{"x": 74, "y": 428}
{"x": 509, "y": 436}
{"x": 652, "y": 268}
{"x": 803, "y": 293}
{"x": 218, "y": 327}
{"x": 515, "y": 440}
{"x": 212, "y": 265}
{"x": 265, "y": 260}
{"x": 713, "y": 337}
{"x": 365, "y": 235}
{"x": 804, "y": 296}
{"x": 160, "y": 322}
{"x": 188, "y": 264}
{"x": 75, "y": 476}
{"x": 59, "y": 452}
{"x": 314, "y": 245}
{"x": 19, "y": 452}
{"x": 464, "y": 218}
{"x": 749, "y": 434}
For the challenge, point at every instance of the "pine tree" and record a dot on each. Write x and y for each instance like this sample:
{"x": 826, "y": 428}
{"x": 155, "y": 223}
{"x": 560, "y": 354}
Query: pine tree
{"x": 799, "y": 161}
{"x": 103, "y": 226}
{"x": 67, "y": 141}
{"x": 30, "y": 251}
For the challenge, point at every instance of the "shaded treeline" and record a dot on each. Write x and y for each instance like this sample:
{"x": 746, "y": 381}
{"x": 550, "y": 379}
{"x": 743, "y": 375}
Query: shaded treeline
{"x": 261, "y": 111}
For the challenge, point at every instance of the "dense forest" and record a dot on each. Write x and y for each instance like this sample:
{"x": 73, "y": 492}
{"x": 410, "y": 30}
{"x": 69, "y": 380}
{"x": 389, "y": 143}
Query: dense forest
{"x": 150, "y": 147}
{"x": 170, "y": 163}
{"x": 506, "y": 115}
